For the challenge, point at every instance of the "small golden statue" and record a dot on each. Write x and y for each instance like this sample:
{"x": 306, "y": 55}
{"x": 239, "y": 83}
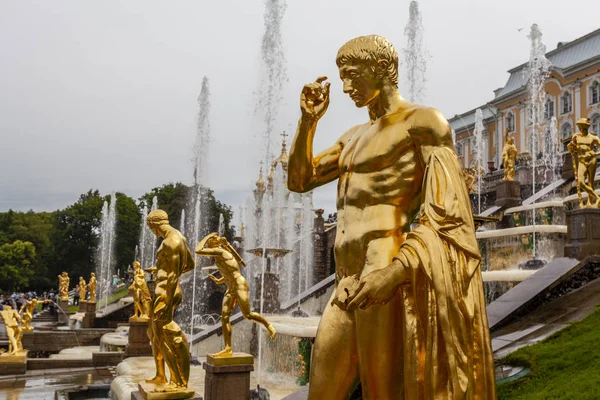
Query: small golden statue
{"x": 470, "y": 175}
{"x": 92, "y": 288}
{"x": 63, "y": 286}
{"x": 81, "y": 289}
{"x": 509, "y": 155}
{"x": 412, "y": 323}
{"x": 581, "y": 148}
{"x": 141, "y": 294}
{"x": 27, "y": 313}
{"x": 13, "y": 330}
{"x": 228, "y": 262}
{"x": 169, "y": 343}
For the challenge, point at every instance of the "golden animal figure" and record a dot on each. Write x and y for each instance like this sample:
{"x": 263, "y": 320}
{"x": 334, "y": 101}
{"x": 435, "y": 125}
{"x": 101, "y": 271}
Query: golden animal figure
{"x": 92, "y": 288}
{"x": 141, "y": 294}
{"x": 228, "y": 262}
{"x": 412, "y": 323}
{"x": 169, "y": 343}
{"x": 584, "y": 156}
{"x": 14, "y": 332}
{"x": 26, "y": 312}
{"x": 509, "y": 155}
{"x": 81, "y": 289}
{"x": 63, "y": 286}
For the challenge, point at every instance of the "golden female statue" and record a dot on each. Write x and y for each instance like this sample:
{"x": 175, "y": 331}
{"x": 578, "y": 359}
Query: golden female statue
{"x": 141, "y": 294}
{"x": 81, "y": 289}
{"x": 412, "y": 322}
{"x": 228, "y": 262}
{"x": 509, "y": 155}
{"x": 169, "y": 343}
{"x": 581, "y": 148}
{"x": 13, "y": 330}
{"x": 92, "y": 288}
{"x": 63, "y": 286}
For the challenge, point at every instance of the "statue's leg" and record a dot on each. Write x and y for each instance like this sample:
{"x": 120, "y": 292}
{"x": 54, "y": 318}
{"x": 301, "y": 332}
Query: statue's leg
{"x": 244, "y": 302}
{"x": 227, "y": 309}
{"x": 592, "y": 174}
{"x": 178, "y": 358}
{"x": 159, "y": 362}
{"x": 13, "y": 347}
{"x": 379, "y": 333}
{"x": 334, "y": 360}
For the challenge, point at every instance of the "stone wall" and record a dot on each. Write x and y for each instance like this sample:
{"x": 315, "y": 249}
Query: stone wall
{"x": 55, "y": 341}
{"x": 115, "y": 318}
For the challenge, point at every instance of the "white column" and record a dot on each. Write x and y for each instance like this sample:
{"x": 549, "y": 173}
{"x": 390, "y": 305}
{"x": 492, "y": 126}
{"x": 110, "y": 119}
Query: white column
{"x": 577, "y": 100}
{"x": 522, "y": 128}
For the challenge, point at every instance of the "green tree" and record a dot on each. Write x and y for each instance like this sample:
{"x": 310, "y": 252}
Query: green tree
{"x": 170, "y": 198}
{"x": 15, "y": 265}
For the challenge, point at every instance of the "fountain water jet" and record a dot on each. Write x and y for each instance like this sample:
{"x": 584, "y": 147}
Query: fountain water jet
{"x": 478, "y": 153}
{"x": 107, "y": 241}
{"x": 415, "y": 55}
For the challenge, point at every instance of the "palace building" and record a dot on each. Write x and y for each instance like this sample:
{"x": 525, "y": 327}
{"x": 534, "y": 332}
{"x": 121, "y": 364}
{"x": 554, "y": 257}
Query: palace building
{"x": 572, "y": 92}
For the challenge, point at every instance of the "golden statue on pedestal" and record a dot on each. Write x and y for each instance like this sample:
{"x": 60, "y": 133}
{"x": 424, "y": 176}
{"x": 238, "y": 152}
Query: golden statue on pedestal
{"x": 509, "y": 155}
{"x": 81, "y": 289}
{"x": 581, "y": 148}
{"x": 27, "y": 313}
{"x": 14, "y": 332}
{"x": 141, "y": 294}
{"x": 169, "y": 343}
{"x": 63, "y": 286}
{"x": 412, "y": 323}
{"x": 92, "y": 288}
{"x": 228, "y": 262}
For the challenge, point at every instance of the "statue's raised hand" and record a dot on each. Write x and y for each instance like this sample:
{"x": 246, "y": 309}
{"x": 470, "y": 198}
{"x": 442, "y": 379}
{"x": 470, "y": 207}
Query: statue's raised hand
{"x": 314, "y": 99}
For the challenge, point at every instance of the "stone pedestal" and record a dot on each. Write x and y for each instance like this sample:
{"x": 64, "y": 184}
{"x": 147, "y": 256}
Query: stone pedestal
{"x": 228, "y": 378}
{"x": 90, "y": 316}
{"x": 82, "y": 306}
{"x": 583, "y": 233}
{"x": 139, "y": 343}
{"x": 271, "y": 301}
{"x": 508, "y": 193}
{"x": 13, "y": 365}
{"x": 567, "y": 170}
{"x": 27, "y": 340}
{"x": 63, "y": 312}
{"x": 146, "y": 392}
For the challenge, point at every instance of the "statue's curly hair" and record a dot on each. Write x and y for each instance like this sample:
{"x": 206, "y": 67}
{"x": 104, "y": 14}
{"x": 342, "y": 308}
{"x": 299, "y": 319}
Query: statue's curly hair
{"x": 157, "y": 218}
{"x": 369, "y": 50}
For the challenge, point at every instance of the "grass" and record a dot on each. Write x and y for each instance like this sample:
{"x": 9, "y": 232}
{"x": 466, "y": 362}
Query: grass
{"x": 564, "y": 366}
{"x": 111, "y": 299}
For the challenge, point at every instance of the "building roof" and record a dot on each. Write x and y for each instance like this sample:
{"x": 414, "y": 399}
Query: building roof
{"x": 563, "y": 58}
{"x": 467, "y": 120}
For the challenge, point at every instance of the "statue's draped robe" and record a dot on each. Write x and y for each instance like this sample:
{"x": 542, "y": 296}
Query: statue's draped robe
{"x": 447, "y": 349}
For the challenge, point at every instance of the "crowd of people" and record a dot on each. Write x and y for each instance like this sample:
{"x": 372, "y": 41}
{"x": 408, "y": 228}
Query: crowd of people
{"x": 18, "y": 300}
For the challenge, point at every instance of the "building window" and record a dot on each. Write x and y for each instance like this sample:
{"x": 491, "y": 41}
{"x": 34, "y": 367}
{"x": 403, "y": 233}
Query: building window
{"x": 595, "y": 92}
{"x": 595, "y": 124}
{"x": 549, "y": 109}
{"x": 459, "y": 149}
{"x": 510, "y": 121}
{"x": 566, "y": 103}
{"x": 566, "y": 132}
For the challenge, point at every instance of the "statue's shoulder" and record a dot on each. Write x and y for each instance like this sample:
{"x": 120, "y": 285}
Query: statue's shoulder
{"x": 428, "y": 126}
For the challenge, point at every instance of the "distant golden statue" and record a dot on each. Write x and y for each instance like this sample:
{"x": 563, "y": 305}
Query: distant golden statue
{"x": 412, "y": 323}
{"x": 141, "y": 294}
{"x": 63, "y": 286}
{"x": 169, "y": 343}
{"x": 92, "y": 288}
{"x": 81, "y": 289}
{"x": 581, "y": 148}
{"x": 228, "y": 262}
{"x": 509, "y": 155}
{"x": 470, "y": 176}
{"x": 14, "y": 332}
{"x": 27, "y": 313}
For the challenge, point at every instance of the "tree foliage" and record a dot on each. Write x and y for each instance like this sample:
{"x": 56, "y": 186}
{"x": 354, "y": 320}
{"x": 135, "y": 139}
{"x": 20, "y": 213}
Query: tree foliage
{"x": 15, "y": 264}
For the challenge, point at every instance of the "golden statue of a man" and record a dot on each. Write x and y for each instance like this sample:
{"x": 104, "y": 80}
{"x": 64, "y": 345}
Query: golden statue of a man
{"x": 63, "y": 286}
{"x": 92, "y": 288}
{"x": 228, "y": 262}
{"x": 412, "y": 322}
{"x": 14, "y": 332}
{"x": 27, "y": 313}
{"x": 141, "y": 294}
{"x": 509, "y": 155}
{"x": 169, "y": 343}
{"x": 81, "y": 289}
{"x": 581, "y": 148}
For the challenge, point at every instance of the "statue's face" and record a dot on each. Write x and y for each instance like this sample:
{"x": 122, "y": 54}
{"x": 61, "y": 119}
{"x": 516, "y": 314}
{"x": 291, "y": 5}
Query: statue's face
{"x": 360, "y": 83}
{"x": 583, "y": 128}
{"x": 213, "y": 242}
{"x": 511, "y": 140}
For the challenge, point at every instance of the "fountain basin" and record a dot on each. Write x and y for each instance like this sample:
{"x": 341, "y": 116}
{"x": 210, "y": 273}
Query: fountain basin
{"x": 516, "y": 275}
{"x": 520, "y": 230}
{"x": 293, "y": 326}
{"x": 543, "y": 204}
{"x": 115, "y": 341}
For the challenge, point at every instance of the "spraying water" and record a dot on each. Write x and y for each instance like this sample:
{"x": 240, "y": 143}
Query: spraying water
{"x": 107, "y": 245}
{"x": 152, "y": 237}
{"x": 415, "y": 55}
{"x": 478, "y": 153}
{"x": 552, "y": 151}
{"x": 221, "y": 225}
{"x": 182, "y": 222}
{"x": 538, "y": 71}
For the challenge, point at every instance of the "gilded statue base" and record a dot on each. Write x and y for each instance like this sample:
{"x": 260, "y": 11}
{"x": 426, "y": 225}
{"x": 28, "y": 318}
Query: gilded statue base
{"x": 146, "y": 391}
{"x": 13, "y": 364}
{"x": 583, "y": 233}
{"x": 508, "y": 194}
{"x": 228, "y": 377}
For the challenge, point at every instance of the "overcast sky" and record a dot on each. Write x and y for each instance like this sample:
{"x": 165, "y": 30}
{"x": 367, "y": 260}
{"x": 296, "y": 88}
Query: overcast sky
{"x": 98, "y": 94}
